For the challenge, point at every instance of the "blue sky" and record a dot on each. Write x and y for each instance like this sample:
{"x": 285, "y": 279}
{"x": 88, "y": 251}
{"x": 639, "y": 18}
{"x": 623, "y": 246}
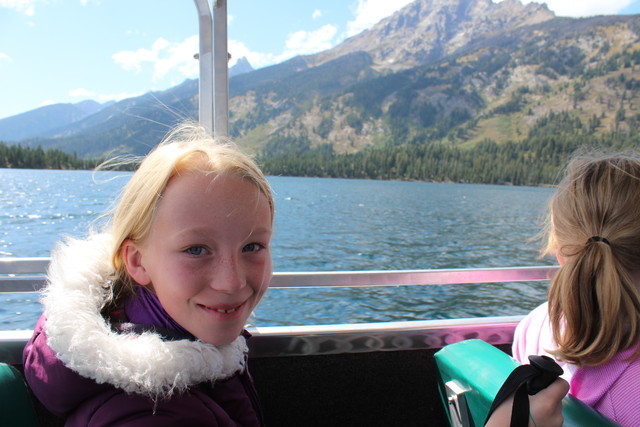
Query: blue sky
{"x": 70, "y": 50}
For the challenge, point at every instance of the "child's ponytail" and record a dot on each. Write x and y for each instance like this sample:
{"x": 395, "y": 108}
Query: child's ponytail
{"x": 594, "y": 229}
{"x": 593, "y": 305}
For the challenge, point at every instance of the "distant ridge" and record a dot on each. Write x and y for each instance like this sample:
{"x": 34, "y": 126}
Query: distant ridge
{"x": 41, "y": 120}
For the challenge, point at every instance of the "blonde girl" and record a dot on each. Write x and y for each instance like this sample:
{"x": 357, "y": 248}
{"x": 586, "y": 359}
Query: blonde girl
{"x": 144, "y": 324}
{"x": 591, "y": 322}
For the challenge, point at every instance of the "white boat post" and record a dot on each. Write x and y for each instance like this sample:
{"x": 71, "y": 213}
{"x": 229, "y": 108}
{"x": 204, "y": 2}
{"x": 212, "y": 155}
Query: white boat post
{"x": 213, "y": 87}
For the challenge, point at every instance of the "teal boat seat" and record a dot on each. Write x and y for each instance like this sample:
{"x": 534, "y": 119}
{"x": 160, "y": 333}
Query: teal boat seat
{"x": 472, "y": 372}
{"x": 16, "y": 407}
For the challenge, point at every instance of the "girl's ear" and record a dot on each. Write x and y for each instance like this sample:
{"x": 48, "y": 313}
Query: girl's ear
{"x": 132, "y": 258}
{"x": 560, "y": 258}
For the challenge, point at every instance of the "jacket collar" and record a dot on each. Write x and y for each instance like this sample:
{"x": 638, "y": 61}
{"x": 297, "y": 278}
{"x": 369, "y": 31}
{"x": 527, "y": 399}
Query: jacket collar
{"x": 78, "y": 288}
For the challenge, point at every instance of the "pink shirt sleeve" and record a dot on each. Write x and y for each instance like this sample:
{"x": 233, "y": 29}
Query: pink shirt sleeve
{"x": 533, "y": 335}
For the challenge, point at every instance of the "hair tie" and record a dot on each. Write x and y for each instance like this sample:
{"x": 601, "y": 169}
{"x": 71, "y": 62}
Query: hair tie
{"x": 594, "y": 239}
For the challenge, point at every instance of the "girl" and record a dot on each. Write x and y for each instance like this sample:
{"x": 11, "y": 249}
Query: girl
{"x": 591, "y": 322}
{"x": 143, "y": 325}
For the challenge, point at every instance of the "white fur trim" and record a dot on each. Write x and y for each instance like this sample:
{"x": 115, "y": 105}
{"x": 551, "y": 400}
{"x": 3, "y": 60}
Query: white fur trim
{"x": 84, "y": 342}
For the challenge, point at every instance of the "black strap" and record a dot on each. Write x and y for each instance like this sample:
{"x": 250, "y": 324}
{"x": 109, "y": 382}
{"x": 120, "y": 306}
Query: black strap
{"x": 525, "y": 381}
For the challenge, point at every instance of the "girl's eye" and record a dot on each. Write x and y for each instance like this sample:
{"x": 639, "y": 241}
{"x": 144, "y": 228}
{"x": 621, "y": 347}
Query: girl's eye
{"x": 252, "y": 247}
{"x": 196, "y": 250}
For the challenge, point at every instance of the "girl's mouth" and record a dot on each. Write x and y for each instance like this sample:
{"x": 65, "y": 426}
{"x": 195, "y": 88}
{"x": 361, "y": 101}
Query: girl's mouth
{"x": 221, "y": 310}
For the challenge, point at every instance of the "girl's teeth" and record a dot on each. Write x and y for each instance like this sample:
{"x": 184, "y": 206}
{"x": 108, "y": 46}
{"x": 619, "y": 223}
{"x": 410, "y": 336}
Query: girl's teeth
{"x": 219, "y": 310}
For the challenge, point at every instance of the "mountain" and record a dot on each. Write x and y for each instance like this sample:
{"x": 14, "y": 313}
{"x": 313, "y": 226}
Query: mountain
{"x": 43, "y": 119}
{"x": 448, "y": 75}
{"x": 63, "y": 125}
{"x": 132, "y": 125}
{"x": 427, "y": 30}
{"x": 241, "y": 66}
{"x": 423, "y": 31}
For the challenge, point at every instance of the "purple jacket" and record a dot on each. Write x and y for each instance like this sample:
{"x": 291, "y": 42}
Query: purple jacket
{"x": 83, "y": 370}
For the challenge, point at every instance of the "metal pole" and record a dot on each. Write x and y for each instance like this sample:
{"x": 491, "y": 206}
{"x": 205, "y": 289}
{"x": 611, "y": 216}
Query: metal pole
{"x": 221, "y": 69}
{"x": 205, "y": 83}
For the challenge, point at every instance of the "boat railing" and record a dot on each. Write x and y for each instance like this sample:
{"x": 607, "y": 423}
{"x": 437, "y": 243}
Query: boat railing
{"x": 29, "y": 275}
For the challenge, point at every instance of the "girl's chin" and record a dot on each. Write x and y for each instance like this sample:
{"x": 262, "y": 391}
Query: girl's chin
{"x": 221, "y": 337}
{"x": 219, "y": 341}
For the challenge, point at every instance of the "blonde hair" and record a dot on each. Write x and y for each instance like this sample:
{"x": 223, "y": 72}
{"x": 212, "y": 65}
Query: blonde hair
{"x": 189, "y": 148}
{"x": 594, "y": 224}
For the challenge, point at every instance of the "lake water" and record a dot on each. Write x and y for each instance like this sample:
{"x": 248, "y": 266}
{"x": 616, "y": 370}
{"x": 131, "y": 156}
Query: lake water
{"x": 321, "y": 225}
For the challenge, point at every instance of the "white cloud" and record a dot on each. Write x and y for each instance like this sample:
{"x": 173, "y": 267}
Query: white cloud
{"x": 179, "y": 56}
{"x": 81, "y": 93}
{"x": 101, "y": 97}
{"x": 4, "y": 57}
{"x": 307, "y": 42}
{"x": 370, "y": 12}
{"x": 28, "y": 7}
{"x": 316, "y": 14}
{"x": 580, "y": 8}
{"x": 297, "y": 43}
{"x": 256, "y": 59}
{"x": 165, "y": 58}
{"x": 47, "y": 102}
{"x": 132, "y": 60}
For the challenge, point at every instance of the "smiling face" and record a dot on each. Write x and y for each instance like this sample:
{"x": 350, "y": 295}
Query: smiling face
{"x": 207, "y": 255}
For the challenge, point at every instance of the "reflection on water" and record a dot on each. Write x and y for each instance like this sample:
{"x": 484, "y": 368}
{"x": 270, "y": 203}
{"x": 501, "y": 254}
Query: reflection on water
{"x": 321, "y": 225}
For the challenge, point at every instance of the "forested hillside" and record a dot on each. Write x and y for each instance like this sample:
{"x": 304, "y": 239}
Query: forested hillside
{"x": 536, "y": 160}
{"x": 16, "y": 156}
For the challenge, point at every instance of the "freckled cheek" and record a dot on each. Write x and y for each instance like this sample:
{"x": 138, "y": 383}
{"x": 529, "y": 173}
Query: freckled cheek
{"x": 189, "y": 282}
{"x": 262, "y": 290}
{"x": 264, "y": 278}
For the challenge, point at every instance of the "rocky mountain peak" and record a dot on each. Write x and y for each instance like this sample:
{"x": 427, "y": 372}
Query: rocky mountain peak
{"x": 427, "y": 30}
{"x": 241, "y": 66}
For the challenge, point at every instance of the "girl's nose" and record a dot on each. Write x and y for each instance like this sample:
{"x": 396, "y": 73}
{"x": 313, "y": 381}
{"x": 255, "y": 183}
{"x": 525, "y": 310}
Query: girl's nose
{"x": 227, "y": 275}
